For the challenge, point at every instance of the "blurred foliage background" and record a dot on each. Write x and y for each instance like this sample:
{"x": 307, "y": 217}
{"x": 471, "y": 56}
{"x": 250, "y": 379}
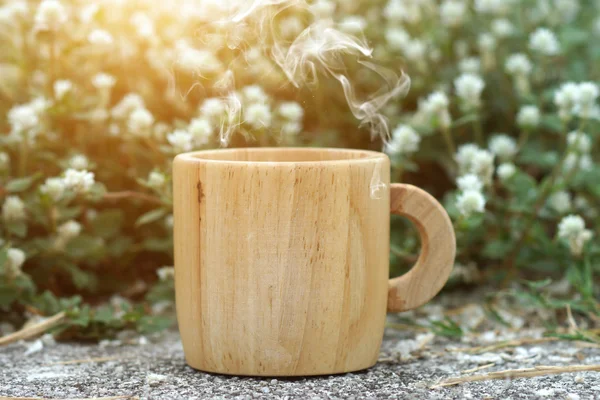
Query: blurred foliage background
{"x": 96, "y": 98}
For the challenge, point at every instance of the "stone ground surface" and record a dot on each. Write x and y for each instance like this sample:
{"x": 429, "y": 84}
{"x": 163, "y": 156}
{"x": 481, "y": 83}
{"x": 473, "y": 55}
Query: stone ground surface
{"x": 409, "y": 365}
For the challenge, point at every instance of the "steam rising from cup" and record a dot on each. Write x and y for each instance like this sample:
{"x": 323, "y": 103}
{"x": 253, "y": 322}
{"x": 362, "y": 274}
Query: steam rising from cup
{"x": 320, "y": 50}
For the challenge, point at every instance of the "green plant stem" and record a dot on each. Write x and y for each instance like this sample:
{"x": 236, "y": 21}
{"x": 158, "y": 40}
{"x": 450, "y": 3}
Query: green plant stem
{"x": 523, "y": 138}
{"x": 23, "y": 150}
{"x": 478, "y": 128}
{"x": 449, "y": 141}
{"x": 511, "y": 264}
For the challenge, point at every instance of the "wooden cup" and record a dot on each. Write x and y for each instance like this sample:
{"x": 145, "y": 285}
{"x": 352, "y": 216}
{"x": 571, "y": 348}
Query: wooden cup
{"x": 282, "y": 257}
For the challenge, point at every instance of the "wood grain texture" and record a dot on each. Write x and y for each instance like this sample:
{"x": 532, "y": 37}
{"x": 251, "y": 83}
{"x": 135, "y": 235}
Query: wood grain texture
{"x": 438, "y": 248}
{"x": 281, "y": 259}
{"x": 281, "y": 267}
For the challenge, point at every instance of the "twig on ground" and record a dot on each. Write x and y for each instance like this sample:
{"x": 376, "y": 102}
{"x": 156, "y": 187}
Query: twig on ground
{"x": 572, "y": 324}
{"x": 87, "y": 360}
{"x": 501, "y": 345}
{"x": 518, "y": 373}
{"x": 34, "y": 330}
{"x": 468, "y": 371}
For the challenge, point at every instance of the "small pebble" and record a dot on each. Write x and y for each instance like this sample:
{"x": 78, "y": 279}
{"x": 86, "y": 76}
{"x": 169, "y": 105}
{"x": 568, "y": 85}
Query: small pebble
{"x": 273, "y": 381}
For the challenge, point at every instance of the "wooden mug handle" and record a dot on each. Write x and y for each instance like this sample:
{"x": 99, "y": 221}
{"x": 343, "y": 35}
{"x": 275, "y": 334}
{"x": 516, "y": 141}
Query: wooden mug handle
{"x": 438, "y": 248}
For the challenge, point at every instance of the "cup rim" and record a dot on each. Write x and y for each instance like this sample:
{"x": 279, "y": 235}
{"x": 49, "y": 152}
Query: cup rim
{"x": 361, "y": 156}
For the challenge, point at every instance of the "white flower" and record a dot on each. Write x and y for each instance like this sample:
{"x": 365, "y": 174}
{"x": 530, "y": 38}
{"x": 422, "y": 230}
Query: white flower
{"x": 572, "y": 229}
{"x": 54, "y": 188}
{"x": 201, "y": 130}
{"x": 258, "y": 115}
{"x": 79, "y": 181}
{"x": 577, "y": 161}
{"x": 518, "y": 64}
{"x": 502, "y": 28}
{"x": 435, "y": 103}
{"x": 528, "y": 116}
{"x": 291, "y": 110}
{"x": 103, "y": 81}
{"x": 570, "y": 226}
{"x": 560, "y": 202}
{"x": 69, "y": 230}
{"x": 486, "y": 42}
{"x": 397, "y": 38}
{"x": 139, "y": 122}
{"x": 588, "y": 93}
{"x": 483, "y": 165}
{"x": 404, "y": 140}
{"x": 453, "y": 12}
{"x": 180, "y": 140}
{"x": 492, "y": 6}
{"x": 469, "y": 202}
{"x": 23, "y": 117}
{"x": 544, "y": 41}
{"x": 79, "y": 161}
{"x": 165, "y": 273}
{"x": 468, "y": 89}
{"x": 506, "y": 171}
{"x": 354, "y": 24}
{"x": 13, "y": 209}
{"x": 213, "y": 108}
{"x": 415, "y": 50}
{"x": 156, "y": 180}
{"x": 503, "y": 146}
{"x": 291, "y": 128}
{"x": 469, "y": 182}
{"x": 465, "y": 155}
{"x": 322, "y": 9}
{"x": 4, "y": 161}
{"x": 144, "y": 26}
{"x": 129, "y": 103}
{"x": 566, "y": 99}
{"x": 470, "y": 65}
{"x": 62, "y": 87}
{"x": 254, "y": 94}
{"x": 579, "y": 142}
{"x": 400, "y": 10}
{"x": 50, "y": 15}
{"x": 198, "y": 61}
{"x": 100, "y": 37}
{"x": 16, "y": 259}
{"x": 567, "y": 9}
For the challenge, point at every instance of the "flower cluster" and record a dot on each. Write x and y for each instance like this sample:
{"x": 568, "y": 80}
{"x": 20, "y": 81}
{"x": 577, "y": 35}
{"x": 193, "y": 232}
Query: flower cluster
{"x": 501, "y": 122}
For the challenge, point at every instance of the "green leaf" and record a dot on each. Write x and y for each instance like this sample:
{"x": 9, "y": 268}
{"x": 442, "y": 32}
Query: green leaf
{"x": 20, "y": 184}
{"x": 156, "y": 244}
{"x": 17, "y": 228}
{"x": 81, "y": 279}
{"x": 537, "y": 285}
{"x": 108, "y": 223}
{"x": 150, "y": 216}
{"x": 80, "y": 316}
{"x": 84, "y": 247}
{"x": 96, "y": 192}
{"x": 153, "y": 323}
{"x": 497, "y": 249}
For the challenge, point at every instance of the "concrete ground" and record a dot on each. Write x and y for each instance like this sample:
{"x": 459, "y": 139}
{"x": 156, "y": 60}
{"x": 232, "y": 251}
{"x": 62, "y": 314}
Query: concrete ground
{"x": 410, "y": 364}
